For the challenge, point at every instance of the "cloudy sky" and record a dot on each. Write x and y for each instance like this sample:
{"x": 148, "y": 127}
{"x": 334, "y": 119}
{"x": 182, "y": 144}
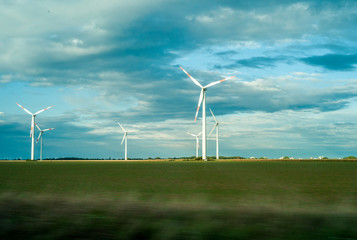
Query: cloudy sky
{"x": 103, "y": 62}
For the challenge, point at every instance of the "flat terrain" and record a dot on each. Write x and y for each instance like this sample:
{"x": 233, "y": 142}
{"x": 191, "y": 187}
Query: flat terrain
{"x": 248, "y": 199}
{"x": 304, "y": 183}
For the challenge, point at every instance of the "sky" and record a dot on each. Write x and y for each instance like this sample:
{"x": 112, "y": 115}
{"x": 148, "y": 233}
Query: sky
{"x": 99, "y": 63}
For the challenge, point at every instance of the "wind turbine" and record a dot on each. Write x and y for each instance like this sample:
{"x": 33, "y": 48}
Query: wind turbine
{"x": 202, "y": 99}
{"x": 32, "y": 131}
{"x": 216, "y": 126}
{"x": 41, "y": 136}
{"x": 125, "y": 137}
{"x": 197, "y": 141}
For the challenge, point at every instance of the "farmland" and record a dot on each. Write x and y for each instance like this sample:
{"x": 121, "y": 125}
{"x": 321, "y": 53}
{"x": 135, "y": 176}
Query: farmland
{"x": 180, "y": 200}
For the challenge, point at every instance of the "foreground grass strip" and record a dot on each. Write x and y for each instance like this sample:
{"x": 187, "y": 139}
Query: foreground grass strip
{"x": 49, "y": 218}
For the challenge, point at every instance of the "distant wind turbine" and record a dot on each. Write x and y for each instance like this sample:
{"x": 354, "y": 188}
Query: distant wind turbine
{"x": 125, "y": 138}
{"x": 202, "y": 100}
{"x": 197, "y": 141}
{"x": 216, "y": 126}
{"x": 40, "y": 135}
{"x": 32, "y": 131}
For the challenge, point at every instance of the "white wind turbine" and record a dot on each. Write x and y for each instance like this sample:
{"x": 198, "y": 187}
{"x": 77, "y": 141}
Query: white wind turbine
{"x": 32, "y": 131}
{"x": 197, "y": 141}
{"x": 40, "y": 135}
{"x": 125, "y": 138}
{"x": 216, "y": 126}
{"x": 202, "y": 100}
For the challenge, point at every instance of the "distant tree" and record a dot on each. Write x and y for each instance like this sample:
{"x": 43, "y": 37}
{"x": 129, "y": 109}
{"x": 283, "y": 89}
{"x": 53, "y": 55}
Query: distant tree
{"x": 350, "y": 157}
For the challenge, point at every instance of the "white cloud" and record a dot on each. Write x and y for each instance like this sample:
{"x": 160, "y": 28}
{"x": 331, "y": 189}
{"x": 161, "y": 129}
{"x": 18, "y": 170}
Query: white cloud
{"x": 212, "y": 16}
{"x": 262, "y": 85}
{"x": 62, "y": 51}
{"x": 76, "y": 42}
{"x": 306, "y": 74}
{"x": 92, "y": 28}
{"x": 205, "y": 19}
{"x": 6, "y": 78}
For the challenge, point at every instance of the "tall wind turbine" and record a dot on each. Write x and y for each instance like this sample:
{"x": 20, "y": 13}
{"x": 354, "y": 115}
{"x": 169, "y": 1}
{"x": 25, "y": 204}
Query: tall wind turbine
{"x": 40, "y": 135}
{"x": 32, "y": 131}
{"x": 216, "y": 126}
{"x": 197, "y": 141}
{"x": 125, "y": 138}
{"x": 202, "y": 99}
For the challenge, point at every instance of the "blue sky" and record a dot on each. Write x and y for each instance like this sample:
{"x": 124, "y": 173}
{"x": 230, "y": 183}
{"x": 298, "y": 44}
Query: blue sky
{"x": 100, "y": 63}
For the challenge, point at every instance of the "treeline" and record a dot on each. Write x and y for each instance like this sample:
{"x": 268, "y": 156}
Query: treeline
{"x": 192, "y": 158}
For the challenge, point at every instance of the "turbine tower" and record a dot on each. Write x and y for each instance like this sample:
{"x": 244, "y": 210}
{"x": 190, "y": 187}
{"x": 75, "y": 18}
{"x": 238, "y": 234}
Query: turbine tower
{"x": 216, "y": 126}
{"x": 32, "y": 131}
{"x": 202, "y": 99}
{"x": 125, "y": 138}
{"x": 40, "y": 135}
{"x": 197, "y": 141}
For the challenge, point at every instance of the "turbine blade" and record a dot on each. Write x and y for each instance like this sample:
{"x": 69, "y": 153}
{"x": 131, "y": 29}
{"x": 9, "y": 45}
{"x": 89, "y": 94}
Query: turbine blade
{"x": 37, "y": 127}
{"x": 199, "y": 134}
{"x": 121, "y": 127}
{"x": 43, "y": 110}
{"x": 214, "y": 83}
{"x": 194, "y": 80}
{"x": 24, "y": 109}
{"x": 191, "y": 134}
{"x": 123, "y": 138}
{"x": 39, "y": 135}
{"x": 213, "y": 129}
{"x": 199, "y": 103}
{"x": 213, "y": 115}
{"x": 32, "y": 130}
{"x": 48, "y": 129}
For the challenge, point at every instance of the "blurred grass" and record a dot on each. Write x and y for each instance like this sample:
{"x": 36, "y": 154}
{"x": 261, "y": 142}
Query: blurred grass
{"x": 178, "y": 200}
{"x": 60, "y": 218}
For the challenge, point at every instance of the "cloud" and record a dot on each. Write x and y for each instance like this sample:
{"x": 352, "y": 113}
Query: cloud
{"x": 258, "y": 62}
{"x": 274, "y": 94}
{"x": 334, "y": 62}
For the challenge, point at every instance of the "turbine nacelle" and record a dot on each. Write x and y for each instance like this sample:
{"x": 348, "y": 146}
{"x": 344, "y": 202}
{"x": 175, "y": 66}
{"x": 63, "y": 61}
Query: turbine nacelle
{"x": 36, "y": 113}
{"x": 125, "y": 133}
{"x": 203, "y": 88}
{"x": 42, "y": 131}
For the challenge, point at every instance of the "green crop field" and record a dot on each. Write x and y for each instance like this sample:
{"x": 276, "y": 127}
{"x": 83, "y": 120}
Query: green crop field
{"x": 179, "y": 200}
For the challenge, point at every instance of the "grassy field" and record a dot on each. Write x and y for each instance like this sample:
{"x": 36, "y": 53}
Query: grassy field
{"x": 179, "y": 200}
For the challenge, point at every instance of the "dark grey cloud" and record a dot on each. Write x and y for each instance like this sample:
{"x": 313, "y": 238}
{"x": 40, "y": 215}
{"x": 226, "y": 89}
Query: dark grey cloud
{"x": 274, "y": 98}
{"x": 336, "y": 62}
{"x": 259, "y": 62}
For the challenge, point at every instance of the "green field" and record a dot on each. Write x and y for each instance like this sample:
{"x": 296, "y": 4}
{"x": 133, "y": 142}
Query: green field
{"x": 179, "y": 200}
